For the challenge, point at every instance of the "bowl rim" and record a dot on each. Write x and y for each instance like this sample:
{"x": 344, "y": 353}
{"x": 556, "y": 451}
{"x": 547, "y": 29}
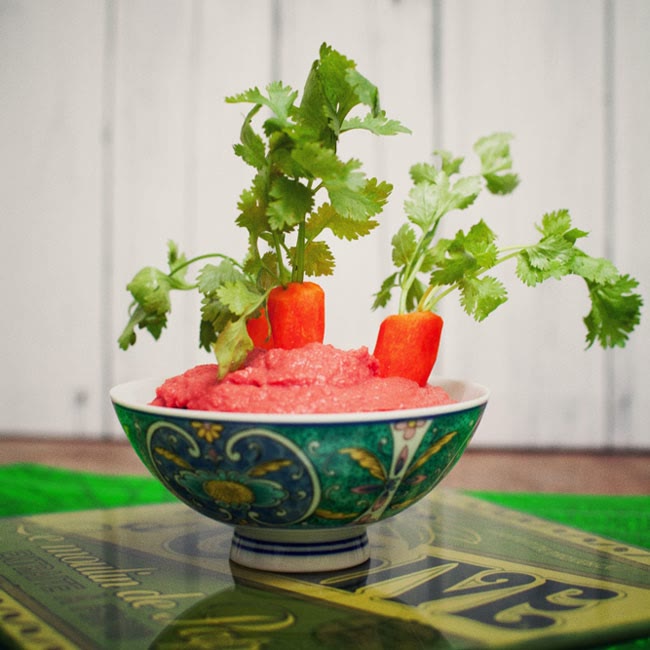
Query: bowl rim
{"x": 122, "y": 395}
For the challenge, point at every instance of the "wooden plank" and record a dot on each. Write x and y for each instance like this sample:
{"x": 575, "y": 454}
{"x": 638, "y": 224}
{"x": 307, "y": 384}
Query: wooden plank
{"x": 151, "y": 190}
{"x": 236, "y": 54}
{"x": 50, "y": 165}
{"x": 629, "y": 224}
{"x": 176, "y": 175}
{"x": 533, "y": 68}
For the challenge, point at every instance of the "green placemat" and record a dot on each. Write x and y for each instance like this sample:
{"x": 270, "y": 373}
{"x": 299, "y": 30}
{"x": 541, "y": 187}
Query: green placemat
{"x": 27, "y": 489}
{"x": 626, "y": 518}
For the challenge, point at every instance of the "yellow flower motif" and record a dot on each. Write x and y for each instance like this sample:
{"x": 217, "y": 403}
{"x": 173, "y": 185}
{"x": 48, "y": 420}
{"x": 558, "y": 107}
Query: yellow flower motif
{"x": 206, "y": 431}
{"x": 229, "y": 492}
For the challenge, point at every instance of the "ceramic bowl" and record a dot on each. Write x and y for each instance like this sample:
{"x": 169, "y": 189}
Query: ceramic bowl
{"x": 299, "y": 490}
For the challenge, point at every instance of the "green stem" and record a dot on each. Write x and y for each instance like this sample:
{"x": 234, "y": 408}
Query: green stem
{"x": 283, "y": 274}
{"x": 422, "y": 304}
{"x": 298, "y": 273}
{"x": 415, "y": 265}
{"x": 206, "y": 256}
{"x": 430, "y": 299}
{"x": 428, "y": 303}
{"x": 515, "y": 252}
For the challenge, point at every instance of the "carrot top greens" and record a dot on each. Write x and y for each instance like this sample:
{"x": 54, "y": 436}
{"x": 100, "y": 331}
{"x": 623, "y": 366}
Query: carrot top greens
{"x": 301, "y": 189}
{"x": 430, "y": 267}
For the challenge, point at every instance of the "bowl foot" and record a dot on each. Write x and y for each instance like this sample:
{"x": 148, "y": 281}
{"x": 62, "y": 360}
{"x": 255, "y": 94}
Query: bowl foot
{"x": 299, "y": 551}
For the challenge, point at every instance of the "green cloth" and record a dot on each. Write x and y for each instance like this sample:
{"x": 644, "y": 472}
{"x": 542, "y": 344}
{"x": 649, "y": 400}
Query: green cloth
{"x": 27, "y": 489}
{"x": 625, "y": 518}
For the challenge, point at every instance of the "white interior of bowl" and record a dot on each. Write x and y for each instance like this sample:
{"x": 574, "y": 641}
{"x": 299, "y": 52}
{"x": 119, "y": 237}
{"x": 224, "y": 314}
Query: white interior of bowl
{"x": 137, "y": 395}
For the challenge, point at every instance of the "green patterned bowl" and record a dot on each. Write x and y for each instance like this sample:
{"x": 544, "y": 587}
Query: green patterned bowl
{"x": 299, "y": 490}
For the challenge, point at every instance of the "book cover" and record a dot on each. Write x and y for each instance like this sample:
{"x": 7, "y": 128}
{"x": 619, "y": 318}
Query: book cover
{"x": 451, "y": 572}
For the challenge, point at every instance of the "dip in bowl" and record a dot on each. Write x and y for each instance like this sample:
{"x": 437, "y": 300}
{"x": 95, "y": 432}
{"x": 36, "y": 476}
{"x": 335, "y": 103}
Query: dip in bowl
{"x": 299, "y": 489}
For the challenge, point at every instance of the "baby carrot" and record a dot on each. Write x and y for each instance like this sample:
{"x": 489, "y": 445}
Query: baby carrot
{"x": 407, "y": 345}
{"x": 259, "y": 329}
{"x": 297, "y": 314}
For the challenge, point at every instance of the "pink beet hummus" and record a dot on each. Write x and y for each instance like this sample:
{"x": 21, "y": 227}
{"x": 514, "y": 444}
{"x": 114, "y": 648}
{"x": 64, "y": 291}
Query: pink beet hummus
{"x": 313, "y": 379}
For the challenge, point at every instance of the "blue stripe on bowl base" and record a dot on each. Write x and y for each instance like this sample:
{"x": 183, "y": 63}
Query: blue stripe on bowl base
{"x": 300, "y": 557}
{"x": 299, "y": 549}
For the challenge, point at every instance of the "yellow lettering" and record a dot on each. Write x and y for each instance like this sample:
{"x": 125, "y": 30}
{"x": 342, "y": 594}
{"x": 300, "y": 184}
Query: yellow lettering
{"x": 246, "y": 622}
{"x": 22, "y": 530}
{"x": 138, "y": 598}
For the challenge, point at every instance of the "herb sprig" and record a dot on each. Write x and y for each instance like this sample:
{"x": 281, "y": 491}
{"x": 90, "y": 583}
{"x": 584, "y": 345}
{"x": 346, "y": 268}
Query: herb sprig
{"x": 301, "y": 190}
{"x": 430, "y": 268}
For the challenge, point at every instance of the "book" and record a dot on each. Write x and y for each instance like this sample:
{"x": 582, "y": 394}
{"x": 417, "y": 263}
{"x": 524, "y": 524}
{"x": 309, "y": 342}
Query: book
{"x": 452, "y": 571}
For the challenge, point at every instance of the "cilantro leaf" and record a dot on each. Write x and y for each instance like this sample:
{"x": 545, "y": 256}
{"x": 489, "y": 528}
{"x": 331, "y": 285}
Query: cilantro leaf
{"x": 229, "y": 299}
{"x": 350, "y": 193}
{"x": 176, "y": 261}
{"x": 429, "y": 202}
{"x": 404, "y": 245}
{"x": 501, "y": 183}
{"x": 449, "y": 163}
{"x": 290, "y": 203}
{"x": 355, "y": 203}
{"x": 252, "y": 213}
{"x": 150, "y": 289}
{"x": 279, "y": 99}
{"x": 212, "y": 276}
{"x": 494, "y": 153}
{"x": 480, "y": 296}
{"x": 319, "y": 259}
{"x": 594, "y": 269}
{"x": 421, "y": 207}
{"x": 326, "y": 217}
{"x": 465, "y": 255}
{"x": 321, "y": 162}
{"x": 251, "y": 149}
{"x": 139, "y": 318}
{"x": 424, "y": 173}
{"x": 238, "y": 297}
{"x": 232, "y": 346}
{"x": 378, "y": 124}
{"x": 615, "y": 311}
{"x": 383, "y": 296}
{"x": 341, "y": 95}
{"x": 366, "y": 92}
{"x": 464, "y": 193}
{"x": 553, "y": 256}
{"x": 215, "y": 313}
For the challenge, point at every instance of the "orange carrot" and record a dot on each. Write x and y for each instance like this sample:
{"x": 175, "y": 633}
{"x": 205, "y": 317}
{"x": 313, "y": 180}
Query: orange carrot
{"x": 259, "y": 330}
{"x": 297, "y": 314}
{"x": 407, "y": 345}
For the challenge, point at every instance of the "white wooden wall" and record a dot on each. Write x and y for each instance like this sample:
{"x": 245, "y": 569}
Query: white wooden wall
{"x": 114, "y": 138}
